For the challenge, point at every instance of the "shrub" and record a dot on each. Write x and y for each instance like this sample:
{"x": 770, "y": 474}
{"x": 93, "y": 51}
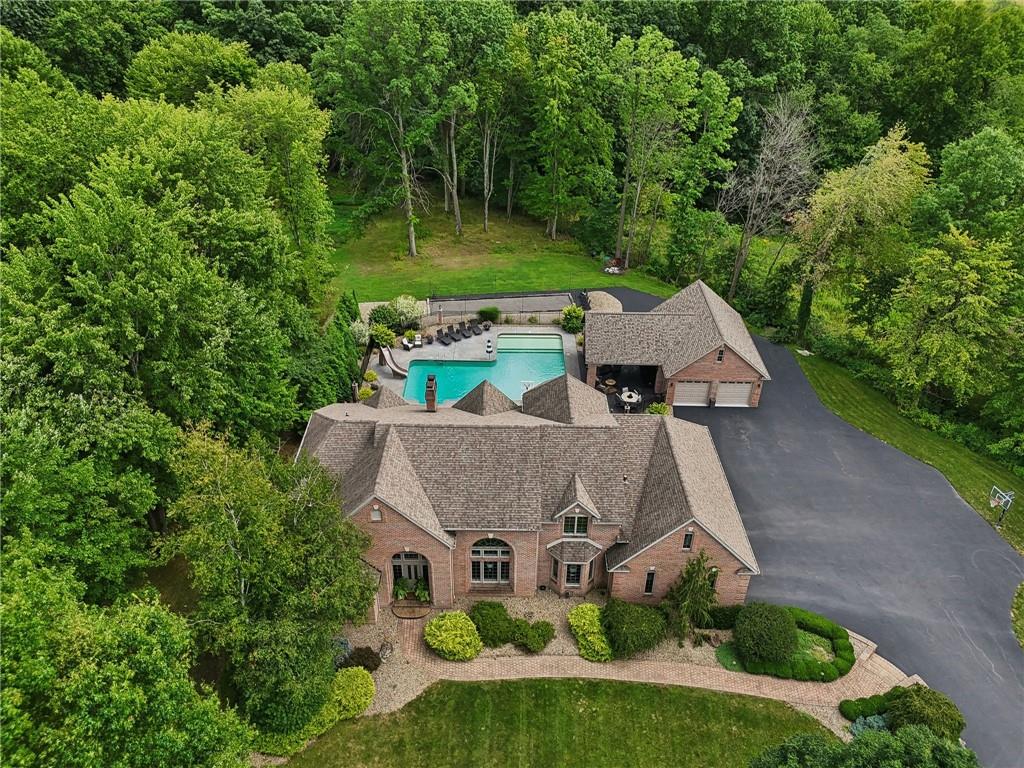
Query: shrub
{"x": 691, "y": 597}
{"x": 453, "y": 636}
{"x": 410, "y": 335}
{"x": 868, "y": 706}
{"x": 492, "y": 623}
{"x": 363, "y": 656}
{"x": 920, "y": 705}
{"x": 659, "y": 409}
{"x": 579, "y": 339}
{"x": 489, "y": 313}
{"x": 631, "y": 627}
{"x": 382, "y": 336}
{"x": 385, "y": 314}
{"x": 407, "y": 310}
{"x": 533, "y": 320}
{"x": 585, "y": 623}
{"x": 818, "y": 624}
{"x": 360, "y": 332}
{"x": 572, "y": 318}
{"x": 348, "y": 306}
{"x": 538, "y": 636}
{"x": 765, "y": 633}
{"x": 370, "y": 376}
{"x": 352, "y": 692}
{"x": 520, "y": 629}
{"x": 724, "y": 616}
{"x": 365, "y": 392}
{"x": 870, "y": 723}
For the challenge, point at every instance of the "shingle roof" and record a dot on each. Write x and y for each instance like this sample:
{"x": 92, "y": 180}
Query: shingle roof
{"x": 567, "y": 400}
{"x": 679, "y": 331}
{"x": 485, "y": 399}
{"x": 455, "y": 470}
{"x": 386, "y": 398}
{"x": 574, "y": 550}
{"x": 576, "y": 493}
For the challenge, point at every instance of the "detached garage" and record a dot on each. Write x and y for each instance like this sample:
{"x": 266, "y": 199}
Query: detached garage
{"x": 695, "y": 347}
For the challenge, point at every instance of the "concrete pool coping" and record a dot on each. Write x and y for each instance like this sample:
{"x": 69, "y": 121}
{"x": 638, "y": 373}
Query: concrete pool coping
{"x": 472, "y": 349}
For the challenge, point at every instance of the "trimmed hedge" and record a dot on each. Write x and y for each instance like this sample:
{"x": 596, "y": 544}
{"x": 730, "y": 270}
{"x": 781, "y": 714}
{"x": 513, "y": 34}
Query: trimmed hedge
{"x": 802, "y": 669}
{"x": 631, "y": 627}
{"x": 585, "y": 623}
{"x": 765, "y": 634}
{"x": 453, "y": 636}
{"x": 724, "y": 616}
{"x": 496, "y": 628}
{"x": 492, "y": 622}
{"x": 921, "y": 705}
{"x": 489, "y": 313}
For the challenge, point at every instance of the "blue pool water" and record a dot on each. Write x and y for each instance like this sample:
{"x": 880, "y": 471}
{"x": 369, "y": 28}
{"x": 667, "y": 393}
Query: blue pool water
{"x": 522, "y": 361}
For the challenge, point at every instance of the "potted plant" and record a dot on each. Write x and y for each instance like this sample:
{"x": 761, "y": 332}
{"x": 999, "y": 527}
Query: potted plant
{"x": 422, "y": 591}
{"x": 402, "y": 589}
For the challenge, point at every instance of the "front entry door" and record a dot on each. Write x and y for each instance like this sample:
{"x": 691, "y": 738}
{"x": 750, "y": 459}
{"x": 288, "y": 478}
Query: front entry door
{"x": 410, "y": 566}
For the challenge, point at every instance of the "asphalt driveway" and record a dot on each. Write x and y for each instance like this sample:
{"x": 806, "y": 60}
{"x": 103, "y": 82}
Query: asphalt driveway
{"x": 846, "y": 525}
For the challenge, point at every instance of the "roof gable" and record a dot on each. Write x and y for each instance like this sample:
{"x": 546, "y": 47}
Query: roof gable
{"x": 567, "y": 400}
{"x": 485, "y": 399}
{"x": 576, "y": 494}
{"x": 385, "y": 398}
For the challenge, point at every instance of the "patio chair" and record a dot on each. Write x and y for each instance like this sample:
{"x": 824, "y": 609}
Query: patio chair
{"x": 474, "y": 326}
{"x": 418, "y": 341}
{"x": 406, "y": 344}
{"x": 466, "y": 333}
{"x": 442, "y": 336}
{"x": 453, "y": 334}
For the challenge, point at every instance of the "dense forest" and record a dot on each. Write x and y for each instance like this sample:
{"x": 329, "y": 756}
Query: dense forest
{"x": 166, "y": 317}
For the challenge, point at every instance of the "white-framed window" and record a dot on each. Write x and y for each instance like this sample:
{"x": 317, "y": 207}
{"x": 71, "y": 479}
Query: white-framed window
{"x": 688, "y": 541}
{"x": 554, "y": 569}
{"x": 649, "y": 583}
{"x": 590, "y": 571}
{"x": 375, "y": 515}
{"x": 714, "y": 577}
{"x": 575, "y": 525}
{"x": 490, "y": 562}
{"x": 720, "y": 356}
{"x": 573, "y": 571}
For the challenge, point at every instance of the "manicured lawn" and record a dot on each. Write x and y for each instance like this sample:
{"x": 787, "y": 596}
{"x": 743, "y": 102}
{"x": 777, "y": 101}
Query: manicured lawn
{"x": 866, "y": 408}
{"x": 512, "y": 256}
{"x": 1017, "y": 614}
{"x": 561, "y": 722}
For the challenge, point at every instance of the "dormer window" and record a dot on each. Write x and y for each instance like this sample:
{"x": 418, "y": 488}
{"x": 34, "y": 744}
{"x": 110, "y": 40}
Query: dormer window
{"x": 575, "y": 525}
{"x": 721, "y": 355}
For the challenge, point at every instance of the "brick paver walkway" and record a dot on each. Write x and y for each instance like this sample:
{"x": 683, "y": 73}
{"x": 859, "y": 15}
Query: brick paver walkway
{"x": 871, "y": 674}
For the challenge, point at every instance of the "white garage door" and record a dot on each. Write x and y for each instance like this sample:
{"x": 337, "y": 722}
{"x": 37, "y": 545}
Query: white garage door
{"x": 691, "y": 393}
{"x": 734, "y": 393}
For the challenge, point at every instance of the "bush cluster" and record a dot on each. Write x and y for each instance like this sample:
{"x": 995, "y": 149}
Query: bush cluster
{"x": 363, "y": 656}
{"x": 386, "y": 315}
{"x": 352, "y": 692}
{"x": 453, "y": 636}
{"x": 868, "y": 706}
{"x": 572, "y": 318}
{"x": 870, "y": 723}
{"x": 921, "y": 705}
{"x": 496, "y": 628}
{"x": 631, "y": 627}
{"x": 585, "y": 623}
{"x": 789, "y": 667}
{"x": 765, "y": 633}
{"x": 492, "y": 314}
{"x": 659, "y": 409}
{"x": 724, "y": 616}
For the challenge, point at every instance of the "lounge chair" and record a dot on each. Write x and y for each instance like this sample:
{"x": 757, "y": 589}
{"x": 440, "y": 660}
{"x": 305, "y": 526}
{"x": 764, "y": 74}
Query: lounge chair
{"x": 418, "y": 341}
{"x": 453, "y": 334}
{"x": 406, "y": 344}
{"x": 474, "y": 326}
{"x": 466, "y": 333}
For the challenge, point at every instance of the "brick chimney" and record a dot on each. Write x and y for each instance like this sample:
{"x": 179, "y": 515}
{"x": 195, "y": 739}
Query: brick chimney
{"x": 431, "y": 394}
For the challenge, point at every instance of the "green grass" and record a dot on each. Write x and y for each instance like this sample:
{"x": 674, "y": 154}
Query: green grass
{"x": 512, "y": 256}
{"x": 868, "y": 409}
{"x": 561, "y": 722}
{"x": 726, "y": 656}
{"x": 1017, "y": 614}
{"x": 812, "y": 647}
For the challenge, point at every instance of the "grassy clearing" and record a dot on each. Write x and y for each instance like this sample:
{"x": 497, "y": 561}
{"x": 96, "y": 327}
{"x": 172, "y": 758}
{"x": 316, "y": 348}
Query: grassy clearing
{"x": 512, "y": 256}
{"x": 866, "y": 408}
{"x": 812, "y": 647}
{"x": 561, "y": 722}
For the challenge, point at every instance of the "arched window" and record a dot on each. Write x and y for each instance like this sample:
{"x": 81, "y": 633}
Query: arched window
{"x": 490, "y": 562}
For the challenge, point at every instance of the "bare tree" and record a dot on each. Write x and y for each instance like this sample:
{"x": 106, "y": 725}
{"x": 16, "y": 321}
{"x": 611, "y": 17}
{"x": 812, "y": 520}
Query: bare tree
{"x": 778, "y": 181}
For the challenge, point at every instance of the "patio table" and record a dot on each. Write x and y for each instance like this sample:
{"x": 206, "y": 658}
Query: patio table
{"x": 629, "y": 396}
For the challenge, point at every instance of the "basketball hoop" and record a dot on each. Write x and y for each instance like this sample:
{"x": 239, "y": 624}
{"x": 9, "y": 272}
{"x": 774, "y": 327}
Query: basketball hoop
{"x": 1001, "y": 499}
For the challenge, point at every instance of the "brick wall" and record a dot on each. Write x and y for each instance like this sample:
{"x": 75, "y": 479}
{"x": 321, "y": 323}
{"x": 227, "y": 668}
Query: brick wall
{"x": 732, "y": 368}
{"x": 524, "y": 559}
{"x": 668, "y": 558}
{"x": 394, "y": 534}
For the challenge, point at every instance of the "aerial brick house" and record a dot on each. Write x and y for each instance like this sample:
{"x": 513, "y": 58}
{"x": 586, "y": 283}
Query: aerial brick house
{"x": 696, "y": 347}
{"x": 488, "y": 497}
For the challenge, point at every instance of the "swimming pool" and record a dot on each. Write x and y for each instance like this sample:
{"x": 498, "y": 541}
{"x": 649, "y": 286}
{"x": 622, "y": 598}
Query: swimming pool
{"x": 522, "y": 361}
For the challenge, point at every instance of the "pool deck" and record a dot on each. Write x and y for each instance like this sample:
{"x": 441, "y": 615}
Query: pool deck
{"x": 473, "y": 349}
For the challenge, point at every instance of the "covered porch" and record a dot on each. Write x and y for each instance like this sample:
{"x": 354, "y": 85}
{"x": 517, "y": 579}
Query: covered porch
{"x": 629, "y": 388}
